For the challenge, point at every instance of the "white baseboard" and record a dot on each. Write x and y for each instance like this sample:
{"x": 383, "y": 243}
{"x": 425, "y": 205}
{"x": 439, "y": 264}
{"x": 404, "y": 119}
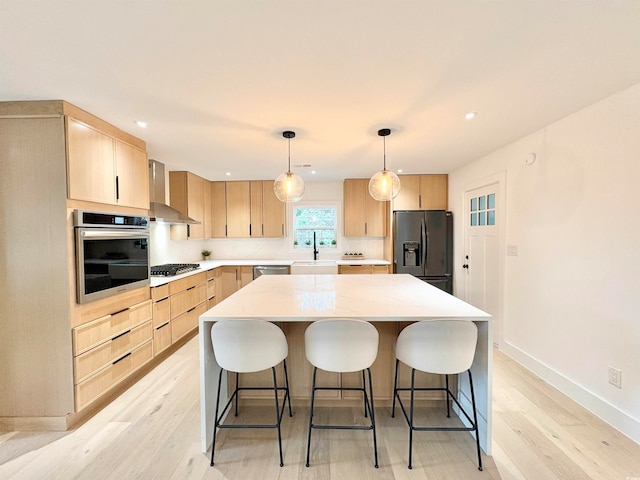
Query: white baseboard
{"x": 611, "y": 414}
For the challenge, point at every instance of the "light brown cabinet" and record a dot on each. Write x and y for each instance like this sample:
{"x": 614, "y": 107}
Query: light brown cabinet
{"x": 362, "y": 269}
{"x": 422, "y": 192}
{"x": 363, "y": 216}
{"x": 102, "y": 168}
{"x": 246, "y": 209}
{"x": 233, "y": 278}
{"x": 187, "y": 194}
{"x": 102, "y": 348}
{"x": 238, "y": 202}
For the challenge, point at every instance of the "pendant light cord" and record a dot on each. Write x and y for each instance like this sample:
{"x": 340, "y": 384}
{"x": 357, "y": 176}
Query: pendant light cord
{"x": 289, "y": 155}
{"x": 384, "y": 153}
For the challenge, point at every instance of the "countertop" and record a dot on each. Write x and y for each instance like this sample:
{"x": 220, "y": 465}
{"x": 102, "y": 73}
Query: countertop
{"x": 211, "y": 264}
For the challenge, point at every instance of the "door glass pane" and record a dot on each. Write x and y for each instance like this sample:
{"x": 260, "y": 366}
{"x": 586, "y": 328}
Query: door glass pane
{"x": 491, "y": 217}
{"x": 491, "y": 201}
{"x": 482, "y": 203}
{"x": 481, "y": 218}
{"x": 474, "y": 204}
{"x": 474, "y": 219}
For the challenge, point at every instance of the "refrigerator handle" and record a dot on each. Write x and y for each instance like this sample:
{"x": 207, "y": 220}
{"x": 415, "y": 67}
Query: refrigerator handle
{"x": 423, "y": 241}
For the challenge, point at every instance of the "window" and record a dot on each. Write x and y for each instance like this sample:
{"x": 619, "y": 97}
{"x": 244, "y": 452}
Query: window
{"x": 483, "y": 210}
{"x": 319, "y": 219}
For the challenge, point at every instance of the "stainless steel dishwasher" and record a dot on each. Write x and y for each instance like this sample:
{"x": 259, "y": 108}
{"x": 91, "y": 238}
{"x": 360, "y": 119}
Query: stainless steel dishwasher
{"x": 270, "y": 270}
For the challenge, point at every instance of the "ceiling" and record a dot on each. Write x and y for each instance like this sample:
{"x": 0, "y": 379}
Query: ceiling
{"x": 218, "y": 81}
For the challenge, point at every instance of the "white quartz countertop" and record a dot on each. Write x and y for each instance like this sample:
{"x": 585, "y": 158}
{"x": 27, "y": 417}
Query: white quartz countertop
{"x": 211, "y": 264}
{"x": 369, "y": 297}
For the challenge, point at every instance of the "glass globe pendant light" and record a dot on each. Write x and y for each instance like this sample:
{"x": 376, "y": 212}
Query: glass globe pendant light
{"x": 289, "y": 187}
{"x": 384, "y": 185}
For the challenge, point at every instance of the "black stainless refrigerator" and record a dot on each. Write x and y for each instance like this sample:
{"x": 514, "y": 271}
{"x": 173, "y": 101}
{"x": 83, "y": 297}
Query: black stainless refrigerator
{"x": 423, "y": 246}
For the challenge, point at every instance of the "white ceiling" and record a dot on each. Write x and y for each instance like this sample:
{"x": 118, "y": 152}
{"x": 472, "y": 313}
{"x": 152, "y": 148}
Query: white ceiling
{"x": 218, "y": 81}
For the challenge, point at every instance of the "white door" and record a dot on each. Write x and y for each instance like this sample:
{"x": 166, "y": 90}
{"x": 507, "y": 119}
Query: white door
{"x": 481, "y": 264}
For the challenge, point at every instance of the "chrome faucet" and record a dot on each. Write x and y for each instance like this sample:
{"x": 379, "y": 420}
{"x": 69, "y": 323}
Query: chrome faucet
{"x": 315, "y": 249}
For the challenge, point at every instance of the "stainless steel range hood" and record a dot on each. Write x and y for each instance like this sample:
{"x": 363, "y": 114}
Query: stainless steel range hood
{"x": 159, "y": 211}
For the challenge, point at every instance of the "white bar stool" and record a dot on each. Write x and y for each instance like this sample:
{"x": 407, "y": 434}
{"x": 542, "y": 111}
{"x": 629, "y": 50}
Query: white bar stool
{"x": 342, "y": 345}
{"x": 443, "y": 347}
{"x": 245, "y": 346}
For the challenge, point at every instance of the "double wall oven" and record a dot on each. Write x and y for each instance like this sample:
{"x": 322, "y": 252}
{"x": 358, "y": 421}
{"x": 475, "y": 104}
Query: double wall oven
{"x": 112, "y": 253}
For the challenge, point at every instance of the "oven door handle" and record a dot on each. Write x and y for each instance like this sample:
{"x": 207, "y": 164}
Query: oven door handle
{"x": 110, "y": 233}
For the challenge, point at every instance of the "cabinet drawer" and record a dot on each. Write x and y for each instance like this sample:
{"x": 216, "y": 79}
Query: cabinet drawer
{"x": 184, "y": 301}
{"x": 355, "y": 269}
{"x": 188, "y": 282}
{"x": 160, "y": 292}
{"x": 96, "y": 358}
{"x": 211, "y": 287}
{"x": 96, "y": 385}
{"x": 186, "y": 322}
{"x": 161, "y": 338}
{"x": 94, "y": 333}
{"x": 380, "y": 269}
{"x": 161, "y": 312}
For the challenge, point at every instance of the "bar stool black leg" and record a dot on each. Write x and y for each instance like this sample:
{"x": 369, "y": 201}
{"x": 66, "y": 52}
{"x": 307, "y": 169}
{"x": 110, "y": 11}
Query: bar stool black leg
{"x": 313, "y": 394}
{"x": 446, "y": 379}
{"x": 395, "y": 391}
{"x": 286, "y": 382}
{"x": 278, "y": 418}
{"x": 215, "y": 418}
{"x": 373, "y": 417}
{"x": 475, "y": 420}
{"x": 364, "y": 395}
{"x": 237, "y": 394}
{"x": 413, "y": 382}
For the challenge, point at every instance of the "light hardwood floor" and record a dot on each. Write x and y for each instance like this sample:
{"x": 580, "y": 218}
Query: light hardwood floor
{"x": 152, "y": 431}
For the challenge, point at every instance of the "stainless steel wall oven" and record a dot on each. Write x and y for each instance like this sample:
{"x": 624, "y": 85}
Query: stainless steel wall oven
{"x": 112, "y": 253}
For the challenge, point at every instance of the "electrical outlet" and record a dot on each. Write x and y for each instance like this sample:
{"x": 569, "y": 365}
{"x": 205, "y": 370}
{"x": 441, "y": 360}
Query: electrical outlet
{"x": 615, "y": 377}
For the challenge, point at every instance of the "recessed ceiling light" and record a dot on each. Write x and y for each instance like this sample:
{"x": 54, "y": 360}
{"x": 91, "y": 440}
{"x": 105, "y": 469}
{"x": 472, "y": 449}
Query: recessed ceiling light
{"x": 399, "y": 170}
{"x": 141, "y": 124}
{"x": 470, "y": 115}
{"x": 228, "y": 174}
{"x": 313, "y": 172}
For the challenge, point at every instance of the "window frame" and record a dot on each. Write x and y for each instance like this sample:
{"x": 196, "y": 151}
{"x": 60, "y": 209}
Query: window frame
{"x": 291, "y": 231}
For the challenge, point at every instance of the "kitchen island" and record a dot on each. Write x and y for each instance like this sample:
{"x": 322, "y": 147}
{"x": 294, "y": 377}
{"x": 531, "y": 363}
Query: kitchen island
{"x": 375, "y": 298}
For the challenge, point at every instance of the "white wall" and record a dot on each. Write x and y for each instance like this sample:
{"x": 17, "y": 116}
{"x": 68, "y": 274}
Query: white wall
{"x": 571, "y": 296}
{"x": 165, "y": 250}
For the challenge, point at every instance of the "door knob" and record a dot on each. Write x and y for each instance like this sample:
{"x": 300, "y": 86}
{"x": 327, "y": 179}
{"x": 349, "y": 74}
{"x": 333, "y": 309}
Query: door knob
{"x": 465, "y": 265}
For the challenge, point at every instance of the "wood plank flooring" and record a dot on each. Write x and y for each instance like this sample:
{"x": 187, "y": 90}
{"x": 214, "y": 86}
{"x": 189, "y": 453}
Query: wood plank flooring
{"x": 152, "y": 431}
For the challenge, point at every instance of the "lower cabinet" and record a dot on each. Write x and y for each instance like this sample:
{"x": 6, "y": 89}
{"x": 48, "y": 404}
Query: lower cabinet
{"x": 177, "y": 306}
{"x": 109, "y": 349}
{"x": 232, "y": 279}
{"x": 362, "y": 269}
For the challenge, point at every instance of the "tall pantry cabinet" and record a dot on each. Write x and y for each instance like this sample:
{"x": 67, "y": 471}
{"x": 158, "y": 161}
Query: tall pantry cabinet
{"x": 47, "y": 172}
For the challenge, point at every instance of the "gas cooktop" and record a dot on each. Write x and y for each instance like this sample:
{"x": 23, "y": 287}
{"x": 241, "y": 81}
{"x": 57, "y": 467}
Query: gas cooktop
{"x": 171, "y": 269}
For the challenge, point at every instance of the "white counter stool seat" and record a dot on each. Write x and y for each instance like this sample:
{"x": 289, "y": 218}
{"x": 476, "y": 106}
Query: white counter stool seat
{"x": 245, "y": 346}
{"x": 444, "y": 347}
{"x": 342, "y": 345}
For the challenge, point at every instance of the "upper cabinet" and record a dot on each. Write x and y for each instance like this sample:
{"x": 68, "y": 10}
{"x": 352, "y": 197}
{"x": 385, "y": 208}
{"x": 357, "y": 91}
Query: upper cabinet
{"x": 187, "y": 194}
{"x": 103, "y": 168}
{"x": 363, "y": 216}
{"x": 422, "y": 192}
{"x": 267, "y": 212}
{"x": 246, "y": 209}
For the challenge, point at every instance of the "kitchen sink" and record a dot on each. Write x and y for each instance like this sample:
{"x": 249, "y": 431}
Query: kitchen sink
{"x": 314, "y": 267}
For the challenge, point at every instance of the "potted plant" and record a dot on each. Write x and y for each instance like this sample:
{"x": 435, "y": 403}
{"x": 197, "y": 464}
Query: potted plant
{"x": 205, "y": 254}
{"x": 308, "y": 242}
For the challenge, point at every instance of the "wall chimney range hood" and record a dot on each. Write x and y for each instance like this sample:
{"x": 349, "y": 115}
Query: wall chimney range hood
{"x": 159, "y": 211}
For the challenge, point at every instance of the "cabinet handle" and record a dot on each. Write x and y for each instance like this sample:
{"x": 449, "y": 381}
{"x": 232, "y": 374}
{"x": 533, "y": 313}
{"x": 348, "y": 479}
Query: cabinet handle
{"x": 162, "y": 326}
{"x": 162, "y": 299}
{"x": 188, "y": 230}
{"x": 191, "y": 288}
{"x": 249, "y": 229}
{"x": 119, "y": 311}
{"x": 420, "y": 200}
{"x": 117, "y": 187}
{"x": 225, "y": 230}
{"x": 121, "y": 358}
{"x": 365, "y": 228}
{"x": 262, "y": 230}
{"x": 118, "y": 336}
{"x": 191, "y": 310}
